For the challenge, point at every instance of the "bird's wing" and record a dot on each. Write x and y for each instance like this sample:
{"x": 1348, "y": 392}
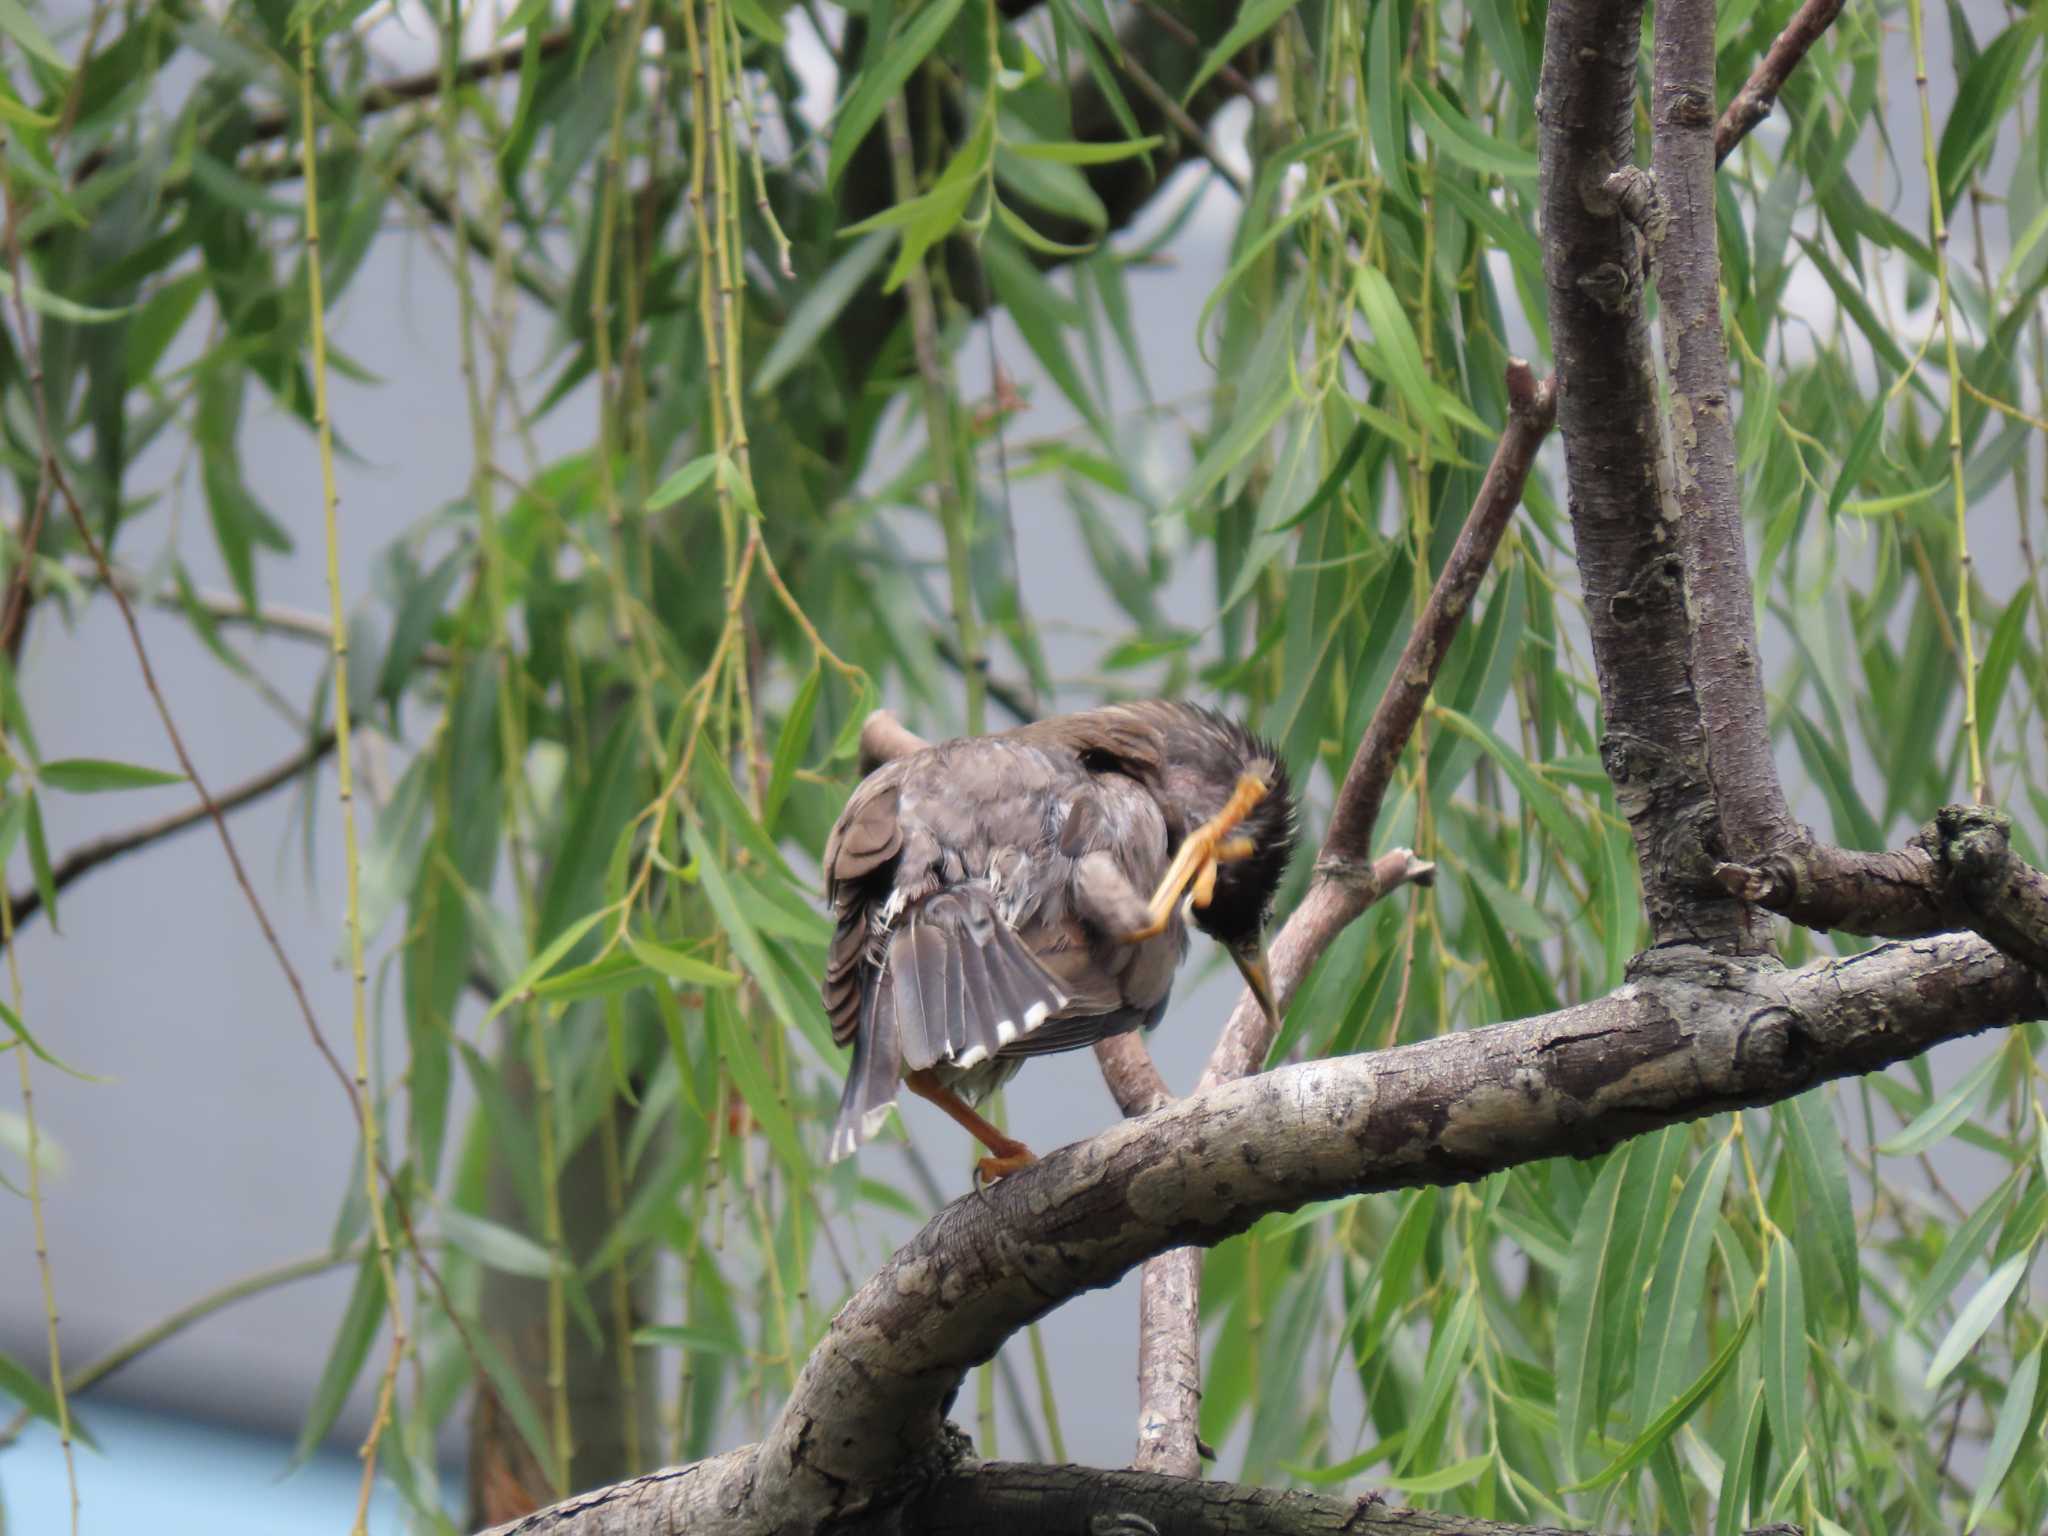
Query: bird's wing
{"x": 865, "y": 839}
{"x": 1123, "y": 738}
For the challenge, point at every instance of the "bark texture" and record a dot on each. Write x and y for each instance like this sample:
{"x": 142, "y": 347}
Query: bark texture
{"x": 1617, "y": 471}
{"x": 1720, "y": 606}
{"x": 1959, "y": 871}
{"x": 977, "y": 1498}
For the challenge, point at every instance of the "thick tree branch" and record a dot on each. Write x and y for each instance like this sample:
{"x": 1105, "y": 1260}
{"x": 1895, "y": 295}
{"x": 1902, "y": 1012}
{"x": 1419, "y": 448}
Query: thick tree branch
{"x": 1959, "y": 871}
{"x": 1720, "y": 608}
{"x": 993, "y": 1498}
{"x": 1752, "y": 104}
{"x": 87, "y": 857}
{"x": 1617, "y": 467}
{"x": 1691, "y": 1034}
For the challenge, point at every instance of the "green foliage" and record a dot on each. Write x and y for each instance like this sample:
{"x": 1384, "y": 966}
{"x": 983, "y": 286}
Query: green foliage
{"x": 626, "y": 696}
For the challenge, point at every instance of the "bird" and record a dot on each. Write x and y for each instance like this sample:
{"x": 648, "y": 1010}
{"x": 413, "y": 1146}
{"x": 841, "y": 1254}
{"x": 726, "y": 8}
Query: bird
{"x": 1030, "y": 891}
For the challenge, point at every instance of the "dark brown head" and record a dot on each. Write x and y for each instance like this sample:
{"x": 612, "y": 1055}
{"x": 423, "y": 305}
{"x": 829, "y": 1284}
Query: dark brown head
{"x": 1207, "y": 756}
{"x": 1194, "y": 761}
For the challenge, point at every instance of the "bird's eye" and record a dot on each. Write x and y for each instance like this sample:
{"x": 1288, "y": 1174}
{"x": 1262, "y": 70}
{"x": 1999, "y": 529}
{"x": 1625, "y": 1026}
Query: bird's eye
{"x": 1095, "y": 760}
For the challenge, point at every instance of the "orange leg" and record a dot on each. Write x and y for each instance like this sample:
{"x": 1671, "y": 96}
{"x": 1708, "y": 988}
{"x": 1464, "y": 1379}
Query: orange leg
{"x": 1009, "y": 1155}
{"x": 1200, "y": 852}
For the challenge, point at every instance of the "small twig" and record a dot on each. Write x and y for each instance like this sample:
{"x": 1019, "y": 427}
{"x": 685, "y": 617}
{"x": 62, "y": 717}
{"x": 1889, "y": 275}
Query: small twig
{"x": 276, "y": 122}
{"x": 1752, "y": 104}
{"x": 228, "y": 608}
{"x": 87, "y": 857}
{"x": 1177, "y": 115}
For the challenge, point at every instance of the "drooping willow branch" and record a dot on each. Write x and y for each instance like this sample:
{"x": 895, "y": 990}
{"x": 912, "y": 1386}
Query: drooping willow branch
{"x": 87, "y": 857}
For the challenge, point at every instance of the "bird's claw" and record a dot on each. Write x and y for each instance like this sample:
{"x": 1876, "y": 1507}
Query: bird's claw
{"x": 989, "y": 1169}
{"x": 1194, "y": 867}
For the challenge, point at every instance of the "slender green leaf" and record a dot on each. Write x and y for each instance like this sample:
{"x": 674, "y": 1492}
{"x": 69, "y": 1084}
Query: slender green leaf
{"x": 2014, "y": 1415}
{"x": 1784, "y": 1347}
{"x": 676, "y": 965}
{"x": 1672, "y": 1312}
{"x": 1464, "y": 140}
{"x": 1660, "y": 1429}
{"x": 494, "y": 1246}
{"x": 28, "y": 1390}
{"x": 20, "y": 1032}
{"x": 1255, "y": 18}
{"x": 93, "y": 775}
{"x": 1577, "y": 1360}
{"x": 544, "y": 962}
{"x": 1088, "y": 153}
{"x": 889, "y": 65}
{"x": 1978, "y": 1314}
{"x": 1939, "y": 1119}
{"x": 693, "y": 476}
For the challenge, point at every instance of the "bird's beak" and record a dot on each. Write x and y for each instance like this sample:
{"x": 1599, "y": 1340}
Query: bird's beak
{"x": 1250, "y": 956}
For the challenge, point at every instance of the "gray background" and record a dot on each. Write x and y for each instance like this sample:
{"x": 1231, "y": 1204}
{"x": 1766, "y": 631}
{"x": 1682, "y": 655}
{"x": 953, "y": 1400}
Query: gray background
{"x": 218, "y": 1143}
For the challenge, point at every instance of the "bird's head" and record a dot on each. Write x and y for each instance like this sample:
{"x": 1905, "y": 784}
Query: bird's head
{"x": 1207, "y": 763}
{"x": 1210, "y": 760}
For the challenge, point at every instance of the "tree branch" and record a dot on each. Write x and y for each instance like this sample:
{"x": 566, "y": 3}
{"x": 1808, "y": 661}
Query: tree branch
{"x": 1959, "y": 871}
{"x": 1752, "y": 104}
{"x": 1720, "y": 608}
{"x": 87, "y": 857}
{"x": 990, "y": 1498}
{"x": 1692, "y": 1034}
{"x": 228, "y": 608}
{"x": 1617, "y": 469}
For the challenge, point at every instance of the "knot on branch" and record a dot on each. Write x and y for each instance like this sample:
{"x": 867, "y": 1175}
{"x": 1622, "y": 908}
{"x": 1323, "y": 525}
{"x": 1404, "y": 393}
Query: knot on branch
{"x": 1375, "y": 877}
{"x": 1687, "y": 106}
{"x": 1773, "y": 1047}
{"x": 1666, "y": 798}
{"x": 1659, "y": 583}
{"x": 1972, "y": 842}
{"x": 1531, "y": 399}
{"x": 1607, "y": 285}
{"x": 1639, "y": 199}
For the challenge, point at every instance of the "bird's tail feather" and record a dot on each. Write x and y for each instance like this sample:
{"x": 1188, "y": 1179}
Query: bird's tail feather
{"x": 964, "y": 984}
{"x": 871, "y": 1080}
{"x": 957, "y": 985}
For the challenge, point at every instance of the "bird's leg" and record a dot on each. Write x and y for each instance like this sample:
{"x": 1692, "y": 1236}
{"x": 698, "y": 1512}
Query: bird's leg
{"x": 1007, "y": 1154}
{"x": 1200, "y": 852}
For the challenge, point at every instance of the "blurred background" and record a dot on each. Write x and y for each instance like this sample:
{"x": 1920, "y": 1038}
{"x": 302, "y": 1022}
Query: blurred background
{"x": 211, "y": 1146}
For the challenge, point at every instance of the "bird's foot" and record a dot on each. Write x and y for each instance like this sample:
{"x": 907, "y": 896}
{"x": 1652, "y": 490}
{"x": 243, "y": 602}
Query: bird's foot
{"x": 1201, "y": 851}
{"x": 990, "y": 1169}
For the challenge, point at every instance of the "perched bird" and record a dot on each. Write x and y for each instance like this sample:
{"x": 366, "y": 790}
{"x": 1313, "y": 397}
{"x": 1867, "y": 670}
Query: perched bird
{"x": 1029, "y": 892}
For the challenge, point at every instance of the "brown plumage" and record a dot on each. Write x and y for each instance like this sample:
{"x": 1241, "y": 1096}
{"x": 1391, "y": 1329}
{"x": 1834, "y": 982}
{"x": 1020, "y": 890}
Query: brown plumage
{"x": 1000, "y": 897}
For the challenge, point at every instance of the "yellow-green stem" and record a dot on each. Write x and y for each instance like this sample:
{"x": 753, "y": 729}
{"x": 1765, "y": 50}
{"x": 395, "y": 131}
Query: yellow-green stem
{"x": 1945, "y": 305}
{"x": 512, "y": 752}
{"x": 330, "y": 503}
